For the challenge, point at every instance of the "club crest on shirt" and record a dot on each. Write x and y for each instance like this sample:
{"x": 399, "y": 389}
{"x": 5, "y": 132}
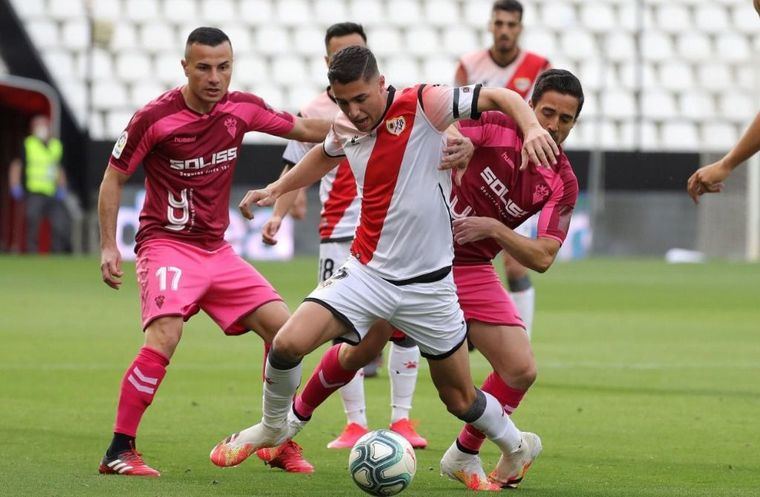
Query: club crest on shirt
{"x": 396, "y": 125}
{"x": 231, "y": 124}
{"x": 522, "y": 84}
{"x": 540, "y": 193}
{"x": 160, "y": 301}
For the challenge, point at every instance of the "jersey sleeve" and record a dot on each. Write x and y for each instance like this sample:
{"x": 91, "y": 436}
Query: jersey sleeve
{"x": 443, "y": 105}
{"x": 133, "y": 144}
{"x": 332, "y": 145}
{"x": 491, "y": 129}
{"x": 554, "y": 220}
{"x": 259, "y": 116}
{"x": 294, "y": 151}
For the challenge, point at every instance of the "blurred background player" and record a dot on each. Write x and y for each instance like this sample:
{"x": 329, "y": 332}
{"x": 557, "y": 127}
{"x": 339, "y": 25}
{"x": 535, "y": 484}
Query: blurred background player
{"x": 338, "y": 219}
{"x": 38, "y": 178}
{"x": 188, "y": 139}
{"x": 506, "y": 65}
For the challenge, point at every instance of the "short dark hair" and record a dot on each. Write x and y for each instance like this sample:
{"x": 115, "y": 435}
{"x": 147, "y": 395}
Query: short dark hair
{"x": 207, "y": 36}
{"x": 561, "y": 81}
{"x": 508, "y": 6}
{"x": 344, "y": 29}
{"x": 351, "y": 64}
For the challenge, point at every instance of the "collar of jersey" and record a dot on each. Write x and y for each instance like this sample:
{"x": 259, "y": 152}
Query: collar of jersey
{"x": 388, "y": 103}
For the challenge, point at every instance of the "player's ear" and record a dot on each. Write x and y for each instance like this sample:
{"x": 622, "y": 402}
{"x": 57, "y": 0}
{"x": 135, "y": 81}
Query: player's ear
{"x": 185, "y": 67}
{"x": 381, "y": 82}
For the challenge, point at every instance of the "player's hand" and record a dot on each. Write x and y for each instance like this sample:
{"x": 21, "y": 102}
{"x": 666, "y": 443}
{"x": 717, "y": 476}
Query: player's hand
{"x": 707, "y": 179}
{"x": 298, "y": 209}
{"x": 456, "y": 155}
{"x": 262, "y": 198}
{"x": 110, "y": 267}
{"x": 472, "y": 229}
{"x": 538, "y": 148}
{"x": 270, "y": 229}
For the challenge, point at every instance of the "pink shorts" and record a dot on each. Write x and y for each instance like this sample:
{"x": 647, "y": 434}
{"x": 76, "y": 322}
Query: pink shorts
{"x": 178, "y": 279}
{"x": 482, "y": 296}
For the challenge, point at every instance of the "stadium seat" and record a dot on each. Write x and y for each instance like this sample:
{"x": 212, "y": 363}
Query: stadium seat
{"x": 578, "y": 44}
{"x": 143, "y": 92}
{"x": 618, "y": 104}
{"x": 287, "y": 69}
{"x": 736, "y": 107}
{"x": 649, "y": 136}
{"x": 718, "y": 136}
{"x": 656, "y": 46}
{"x": 29, "y": 9}
{"x": 156, "y": 36}
{"x": 619, "y": 46}
{"x": 711, "y": 17}
{"x": 438, "y": 70}
{"x": 328, "y": 12}
{"x": 459, "y": 40}
{"x": 142, "y": 10}
{"x": 441, "y": 13}
{"x": 124, "y": 36}
{"x": 107, "y": 95}
{"x": 240, "y": 36}
{"x": 384, "y": 41}
{"x": 541, "y": 41}
{"x": 301, "y": 94}
{"x": 257, "y": 12}
{"x": 179, "y": 12}
{"x": 61, "y": 64}
{"x": 272, "y": 40}
{"x": 116, "y": 121}
{"x": 368, "y": 13}
{"x": 579, "y": 138}
{"x": 590, "y": 104}
{"x": 218, "y": 12}
{"x": 607, "y": 134}
{"x": 66, "y": 9}
{"x": 478, "y": 12}
{"x": 732, "y": 47}
{"x": 403, "y": 71}
{"x": 598, "y": 17}
{"x": 628, "y": 17}
{"x": 271, "y": 93}
{"x": 250, "y": 69}
{"x": 43, "y": 32}
{"x": 168, "y": 70}
{"x": 744, "y": 18}
{"x": 309, "y": 41}
{"x": 596, "y": 75}
{"x": 558, "y": 15}
{"x": 96, "y": 127}
{"x": 102, "y": 65}
{"x": 133, "y": 66}
{"x": 317, "y": 72}
{"x": 658, "y": 105}
{"x": 292, "y": 12}
{"x": 403, "y": 13}
{"x": 697, "y": 105}
{"x": 747, "y": 77}
{"x": 673, "y": 17}
{"x": 679, "y": 135}
{"x": 714, "y": 75}
{"x": 694, "y": 46}
{"x": 676, "y": 75}
{"x": 422, "y": 41}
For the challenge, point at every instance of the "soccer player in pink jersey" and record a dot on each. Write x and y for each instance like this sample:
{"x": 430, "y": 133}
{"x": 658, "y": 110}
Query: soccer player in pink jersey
{"x": 188, "y": 141}
{"x": 338, "y": 220}
{"x": 400, "y": 269}
{"x": 506, "y": 64}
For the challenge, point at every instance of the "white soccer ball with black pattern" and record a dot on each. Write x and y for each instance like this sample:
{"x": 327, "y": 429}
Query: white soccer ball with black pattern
{"x": 382, "y": 463}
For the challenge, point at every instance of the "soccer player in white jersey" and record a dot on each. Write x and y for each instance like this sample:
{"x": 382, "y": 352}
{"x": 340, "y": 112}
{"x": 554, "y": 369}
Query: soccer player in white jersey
{"x": 505, "y": 64}
{"x": 400, "y": 269}
{"x": 338, "y": 219}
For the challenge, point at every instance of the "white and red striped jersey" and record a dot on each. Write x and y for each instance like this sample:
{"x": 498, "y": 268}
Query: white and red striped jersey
{"x": 337, "y": 189}
{"x": 404, "y": 229}
{"x": 520, "y": 75}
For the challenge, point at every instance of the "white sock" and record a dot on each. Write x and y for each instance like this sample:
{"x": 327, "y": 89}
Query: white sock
{"x": 403, "y": 363}
{"x": 495, "y": 424}
{"x": 525, "y": 301}
{"x": 279, "y": 388}
{"x": 352, "y": 394}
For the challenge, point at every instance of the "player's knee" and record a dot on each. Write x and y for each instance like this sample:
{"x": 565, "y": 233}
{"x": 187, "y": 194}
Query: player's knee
{"x": 458, "y": 402}
{"x": 524, "y": 376}
{"x": 288, "y": 348}
{"x": 164, "y": 334}
{"x": 351, "y": 357}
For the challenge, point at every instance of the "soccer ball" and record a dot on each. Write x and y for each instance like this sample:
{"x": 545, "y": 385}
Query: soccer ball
{"x": 382, "y": 463}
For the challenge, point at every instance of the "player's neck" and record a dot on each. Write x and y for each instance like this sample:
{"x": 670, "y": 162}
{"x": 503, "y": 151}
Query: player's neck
{"x": 194, "y": 103}
{"x": 503, "y": 59}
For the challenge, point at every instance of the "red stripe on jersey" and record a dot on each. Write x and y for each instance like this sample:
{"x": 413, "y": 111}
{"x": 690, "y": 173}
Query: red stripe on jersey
{"x": 526, "y": 73}
{"x": 382, "y": 172}
{"x": 339, "y": 199}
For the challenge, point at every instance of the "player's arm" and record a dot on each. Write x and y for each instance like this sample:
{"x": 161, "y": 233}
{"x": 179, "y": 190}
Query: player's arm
{"x": 109, "y": 199}
{"x": 537, "y": 254}
{"x": 315, "y": 164}
{"x": 538, "y": 146}
{"x": 457, "y": 152}
{"x": 709, "y": 179}
{"x": 14, "y": 179}
{"x": 282, "y": 206}
{"x": 460, "y": 77}
{"x": 308, "y": 130}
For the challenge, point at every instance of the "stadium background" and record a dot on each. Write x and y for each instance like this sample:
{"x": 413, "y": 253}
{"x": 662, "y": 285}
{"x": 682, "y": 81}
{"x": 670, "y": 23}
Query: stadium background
{"x": 648, "y": 371}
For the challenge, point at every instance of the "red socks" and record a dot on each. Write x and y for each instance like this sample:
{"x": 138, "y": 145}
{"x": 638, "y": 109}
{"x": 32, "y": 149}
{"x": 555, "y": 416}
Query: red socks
{"x": 328, "y": 377}
{"x": 472, "y": 439}
{"x": 138, "y": 387}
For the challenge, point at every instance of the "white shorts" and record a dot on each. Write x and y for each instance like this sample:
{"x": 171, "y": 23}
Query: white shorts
{"x": 332, "y": 255}
{"x": 429, "y": 313}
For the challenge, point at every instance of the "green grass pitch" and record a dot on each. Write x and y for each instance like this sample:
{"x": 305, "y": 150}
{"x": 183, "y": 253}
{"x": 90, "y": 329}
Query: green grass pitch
{"x": 649, "y": 385}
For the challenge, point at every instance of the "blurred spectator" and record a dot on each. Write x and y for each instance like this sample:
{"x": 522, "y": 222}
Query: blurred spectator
{"x": 38, "y": 178}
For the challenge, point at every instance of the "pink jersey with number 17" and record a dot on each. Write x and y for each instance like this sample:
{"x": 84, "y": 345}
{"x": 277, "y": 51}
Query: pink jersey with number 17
{"x": 493, "y": 186}
{"x": 189, "y": 159}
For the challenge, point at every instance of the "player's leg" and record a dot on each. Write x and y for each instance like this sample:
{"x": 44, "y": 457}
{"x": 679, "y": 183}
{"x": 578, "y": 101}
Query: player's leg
{"x": 34, "y": 206}
{"x": 521, "y": 290}
{"x": 403, "y": 366}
